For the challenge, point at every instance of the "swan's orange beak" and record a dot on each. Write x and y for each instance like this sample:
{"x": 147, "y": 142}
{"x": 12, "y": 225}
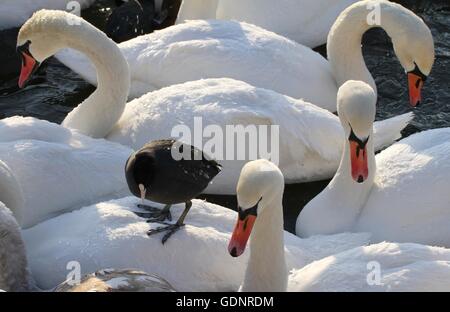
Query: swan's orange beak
{"x": 416, "y": 80}
{"x": 358, "y": 158}
{"x": 242, "y": 231}
{"x": 29, "y": 65}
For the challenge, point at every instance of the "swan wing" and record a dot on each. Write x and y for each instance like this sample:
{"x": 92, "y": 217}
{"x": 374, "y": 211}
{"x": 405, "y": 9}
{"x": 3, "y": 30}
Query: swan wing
{"x": 389, "y": 130}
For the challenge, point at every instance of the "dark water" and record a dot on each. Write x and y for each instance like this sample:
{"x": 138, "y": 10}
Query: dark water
{"x": 55, "y": 90}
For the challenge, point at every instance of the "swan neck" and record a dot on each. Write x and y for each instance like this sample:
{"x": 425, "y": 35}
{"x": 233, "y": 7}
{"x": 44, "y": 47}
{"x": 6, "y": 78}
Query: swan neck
{"x": 97, "y": 115}
{"x": 345, "y": 37}
{"x": 267, "y": 269}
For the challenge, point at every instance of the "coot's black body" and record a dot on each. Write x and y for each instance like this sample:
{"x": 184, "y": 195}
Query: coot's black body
{"x": 166, "y": 180}
{"x": 131, "y": 19}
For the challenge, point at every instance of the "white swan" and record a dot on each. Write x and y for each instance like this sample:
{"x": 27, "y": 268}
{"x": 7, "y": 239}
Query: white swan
{"x": 384, "y": 266}
{"x": 309, "y": 136}
{"x": 195, "y": 259}
{"x": 217, "y": 49}
{"x": 15, "y": 274}
{"x": 380, "y": 267}
{"x": 58, "y": 168}
{"x": 14, "y": 13}
{"x": 403, "y": 196}
{"x": 304, "y": 21}
{"x": 260, "y": 214}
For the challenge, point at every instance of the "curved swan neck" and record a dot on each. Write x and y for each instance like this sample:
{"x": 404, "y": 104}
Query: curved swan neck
{"x": 344, "y": 40}
{"x": 97, "y": 115}
{"x": 267, "y": 269}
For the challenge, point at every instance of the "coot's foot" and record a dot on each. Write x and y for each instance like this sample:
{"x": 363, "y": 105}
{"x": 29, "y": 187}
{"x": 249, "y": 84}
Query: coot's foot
{"x": 160, "y": 18}
{"x": 155, "y": 214}
{"x": 148, "y": 208}
{"x": 170, "y": 229}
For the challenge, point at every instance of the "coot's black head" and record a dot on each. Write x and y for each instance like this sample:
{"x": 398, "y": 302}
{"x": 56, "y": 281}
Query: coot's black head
{"x": 139, "y": 170}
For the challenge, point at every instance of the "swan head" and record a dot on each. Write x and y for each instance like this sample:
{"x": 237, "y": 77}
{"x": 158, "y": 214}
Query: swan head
{"x": 41, "y": 37}
{"x": 414, "y": 46}
{"x": 356, "y": 102}
{"x": 417, "y": 58}
{"x": 260, "y": 181}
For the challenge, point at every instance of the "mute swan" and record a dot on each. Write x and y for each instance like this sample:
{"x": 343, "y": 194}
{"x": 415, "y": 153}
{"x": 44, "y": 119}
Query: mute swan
{"x": 260, "y": 213}
{"x": 15, "y": 275}
{"x": 217, "y": 49}
{"x": 401, "y": 195}
{"x": 195, "y": 259}
{"x": 58, "y": 168}
{"x": 309, "y": 136}
{"x": 304, "y": 21}
{"x": 401, "y": 267}
{"x": 14, "y": 13}
{"x": 154, "y": 173}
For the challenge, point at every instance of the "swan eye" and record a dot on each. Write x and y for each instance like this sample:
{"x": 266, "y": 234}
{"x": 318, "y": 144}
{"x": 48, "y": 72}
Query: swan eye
{"x": 253, "y": 211}
{"x": 421, "y": 76}
{"x": 24, "y": 48}
{"x": 352, "y": 137}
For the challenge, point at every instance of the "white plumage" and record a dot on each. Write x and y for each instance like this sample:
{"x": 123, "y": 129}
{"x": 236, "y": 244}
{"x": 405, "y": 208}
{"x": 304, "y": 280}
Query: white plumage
{"x": 385, "y": 266}
{"x": 304, "y": 21}
{"x": 195, "y": 259}
{"x": 59, "y": 169}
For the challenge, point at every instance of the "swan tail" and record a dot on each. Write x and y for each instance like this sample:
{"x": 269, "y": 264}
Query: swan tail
{"x": 78, "y": 63}
{"x": 388, "y": 131}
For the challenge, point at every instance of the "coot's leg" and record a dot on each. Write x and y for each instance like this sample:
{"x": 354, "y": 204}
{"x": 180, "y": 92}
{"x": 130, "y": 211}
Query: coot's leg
{"x": 171, "y": 229}
{"x": 154, "y": 214}
{"x": 160, "y": 13}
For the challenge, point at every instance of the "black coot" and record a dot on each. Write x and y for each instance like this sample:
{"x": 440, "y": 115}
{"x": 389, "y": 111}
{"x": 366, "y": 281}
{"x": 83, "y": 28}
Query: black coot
{"x": 168, "y": 172}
